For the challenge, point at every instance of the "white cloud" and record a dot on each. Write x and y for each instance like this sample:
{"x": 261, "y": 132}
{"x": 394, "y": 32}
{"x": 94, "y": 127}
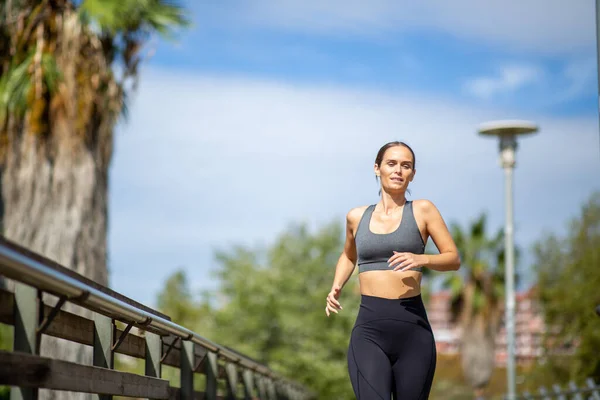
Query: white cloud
{"x": 580, "y": 75}
{"x": 540, "y": 26}
{"x": 510, "y": 79}
{"x": 207, "y": 161}
{"x": 575, "y": 79}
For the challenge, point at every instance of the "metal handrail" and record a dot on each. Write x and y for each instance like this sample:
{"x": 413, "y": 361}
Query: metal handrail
{"x": 22, "y": 268}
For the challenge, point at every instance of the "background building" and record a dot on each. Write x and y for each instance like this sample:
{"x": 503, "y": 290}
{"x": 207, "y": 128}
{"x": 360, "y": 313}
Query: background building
{"x": 529, "y": 327}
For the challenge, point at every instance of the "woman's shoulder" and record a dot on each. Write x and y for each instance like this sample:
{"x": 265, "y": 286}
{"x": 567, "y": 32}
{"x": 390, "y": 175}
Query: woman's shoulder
{"x": 423, "y": 205}
{"x": 355, "y": 214}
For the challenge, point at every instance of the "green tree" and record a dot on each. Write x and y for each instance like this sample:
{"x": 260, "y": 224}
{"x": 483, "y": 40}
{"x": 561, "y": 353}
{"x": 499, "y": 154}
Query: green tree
{"x": 66, "y": 68}
{"x": 177, "y": 301}
{"x": 272, "y": 308}
{"x": 477, "y": 293}
{"x": 568, "y": 282}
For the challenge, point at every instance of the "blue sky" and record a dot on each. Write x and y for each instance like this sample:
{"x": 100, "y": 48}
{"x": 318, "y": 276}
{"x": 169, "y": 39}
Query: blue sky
{"x": 270, "y": 113}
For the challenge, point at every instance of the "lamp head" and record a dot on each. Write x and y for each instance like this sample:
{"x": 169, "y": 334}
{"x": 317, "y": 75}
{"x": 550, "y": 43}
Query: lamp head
{"x": 507, "y": 128}
{"x": 507, "y": 131}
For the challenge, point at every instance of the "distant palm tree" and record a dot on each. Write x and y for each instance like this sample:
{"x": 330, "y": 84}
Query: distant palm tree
{"x": 66, "y": 68}
{"x": 477, "y": 294}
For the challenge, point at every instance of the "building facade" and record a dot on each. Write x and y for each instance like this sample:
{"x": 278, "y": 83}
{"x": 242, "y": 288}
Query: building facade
{"x": 529, "y": 327}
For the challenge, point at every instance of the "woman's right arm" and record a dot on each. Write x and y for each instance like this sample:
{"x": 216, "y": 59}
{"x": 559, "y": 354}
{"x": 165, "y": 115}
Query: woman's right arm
{"x": 346, "y": 262}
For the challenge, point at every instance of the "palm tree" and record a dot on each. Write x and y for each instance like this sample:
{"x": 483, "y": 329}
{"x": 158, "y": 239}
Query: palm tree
{"x": 66, "y": 68}
{"x": 477, "y": 294}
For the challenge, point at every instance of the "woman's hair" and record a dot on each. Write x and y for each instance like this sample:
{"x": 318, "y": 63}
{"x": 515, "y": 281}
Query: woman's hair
{"x": 386, "y": 146}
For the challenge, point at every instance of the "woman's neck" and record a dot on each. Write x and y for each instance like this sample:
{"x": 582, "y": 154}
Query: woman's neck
{"x": 392, "y": 202}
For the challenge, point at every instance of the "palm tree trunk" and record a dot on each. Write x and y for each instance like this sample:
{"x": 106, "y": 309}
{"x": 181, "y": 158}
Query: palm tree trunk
{"x": 477, "y": 351}
{"x": 56, "y": 205}
{"x": 54, "y": 159}
{"x": 54, "y": 200}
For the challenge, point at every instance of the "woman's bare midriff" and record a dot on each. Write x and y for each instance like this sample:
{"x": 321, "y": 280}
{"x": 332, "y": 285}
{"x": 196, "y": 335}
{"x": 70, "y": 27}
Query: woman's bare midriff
{"x": 390, "y": 284}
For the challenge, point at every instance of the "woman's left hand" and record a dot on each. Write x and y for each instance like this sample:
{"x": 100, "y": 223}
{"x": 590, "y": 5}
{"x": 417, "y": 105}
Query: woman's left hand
{"x": 406, "y": 261}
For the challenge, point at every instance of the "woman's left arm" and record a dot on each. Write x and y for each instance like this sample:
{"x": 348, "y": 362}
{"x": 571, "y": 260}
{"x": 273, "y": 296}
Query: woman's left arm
{"x": 448, "y": 259}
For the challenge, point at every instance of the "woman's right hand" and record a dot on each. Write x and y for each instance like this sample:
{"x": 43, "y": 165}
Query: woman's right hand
{"x": 332, "y": 301}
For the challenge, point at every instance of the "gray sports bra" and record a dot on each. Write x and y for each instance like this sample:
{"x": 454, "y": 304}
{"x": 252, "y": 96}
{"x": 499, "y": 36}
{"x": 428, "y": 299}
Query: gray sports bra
{"x": 375, "y": 249}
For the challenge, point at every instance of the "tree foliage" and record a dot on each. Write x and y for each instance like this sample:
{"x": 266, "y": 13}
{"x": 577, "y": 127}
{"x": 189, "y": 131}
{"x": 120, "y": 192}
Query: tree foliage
{"x": 568, "y": 286}
{"x": 40, "y": 40}
{"x": 270, "y": 305}
{"x": 273, "y": 308}
{"x": 177, "y": 301}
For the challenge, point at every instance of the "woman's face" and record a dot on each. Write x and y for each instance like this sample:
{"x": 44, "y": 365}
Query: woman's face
{"x": 396, "y": 170}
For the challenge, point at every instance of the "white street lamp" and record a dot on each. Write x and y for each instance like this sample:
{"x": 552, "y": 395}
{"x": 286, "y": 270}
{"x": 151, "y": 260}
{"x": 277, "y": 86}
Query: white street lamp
{"x": 507, "y": 132}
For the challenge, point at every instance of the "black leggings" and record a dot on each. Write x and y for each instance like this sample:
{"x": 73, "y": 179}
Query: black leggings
{"x": 392, "y": 350}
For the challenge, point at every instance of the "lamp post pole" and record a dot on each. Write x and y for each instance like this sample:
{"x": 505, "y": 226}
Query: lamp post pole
{"x": 508, "y": 146}
{"x": 507, "y": 132}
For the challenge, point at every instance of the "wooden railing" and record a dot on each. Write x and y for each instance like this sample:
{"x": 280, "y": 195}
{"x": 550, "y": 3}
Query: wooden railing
{"x": 589, "y": 391}
{"x": 228, "y": 374}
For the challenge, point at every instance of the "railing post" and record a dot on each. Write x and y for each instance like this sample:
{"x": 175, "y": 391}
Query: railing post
{"x": 248, "y": 383}
{"x": 232, "y": 381}
{"x": 104, "y": 333}
{"x": 544, "y": 393}
{"x": 153, "y": 354}
{"x": 186, "y": 367}
{"x": 294, "y": 393}
{"x": 260, "y": 383}
{"x": 277, "y": 391}
{"x": 559, "y": 392}
{"x": 27, "y": 315}
{"x": 212, "y": 372}
{"x": 281, "y": 390}
{"x": 592, "y": 385}
{"x": 573, "y": 387}
{"x": 272, "y": 394}
{"x": 289, "y": 394}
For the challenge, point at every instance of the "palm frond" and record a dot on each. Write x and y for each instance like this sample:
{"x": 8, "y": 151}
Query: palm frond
{"x": 498, "y": 288}
{"x": 478, "y": 227}
{"x": 498, "y": 239}
{"x": 51, "y": 72}
{"x": 457, "y": 235}
{"x": 456, "y": 307}
{"x": 140, "y": 16}
{"x": 479, "y": 302}
{"x": 478, "y": 294}
{"x": 125, "y": 105}
{"x": 165, "y": 15}
{"x": 15, "y": 85}
{"x": 454, "y": 283}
